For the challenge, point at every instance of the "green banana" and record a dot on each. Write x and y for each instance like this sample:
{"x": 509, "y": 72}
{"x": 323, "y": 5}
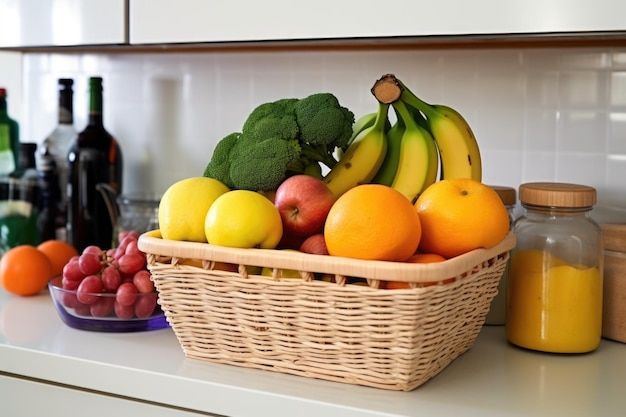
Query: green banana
{"x": 363, "y": 158}
{"x": 389, "y": 167}
{"x": 362, "y": 123}
{"x": 458, "y": 149}
{"x": 418, "y": 162}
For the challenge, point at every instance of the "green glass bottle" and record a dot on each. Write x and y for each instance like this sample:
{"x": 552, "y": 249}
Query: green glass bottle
{"x": 13, "y": 127}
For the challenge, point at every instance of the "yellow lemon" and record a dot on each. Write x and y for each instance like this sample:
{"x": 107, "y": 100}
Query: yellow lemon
{"x": 243, "y": 219}
{"x": 184, "y": 206}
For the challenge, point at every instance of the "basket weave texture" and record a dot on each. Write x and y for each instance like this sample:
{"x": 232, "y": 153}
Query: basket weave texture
{"x": 338, "y": 331}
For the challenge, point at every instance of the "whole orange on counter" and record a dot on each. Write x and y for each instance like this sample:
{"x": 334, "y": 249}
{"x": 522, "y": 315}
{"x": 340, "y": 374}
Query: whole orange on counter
{"x": 59, "y": 252}
{"x": 459, "y": 215}
{"x": 25, "y": 270}
{"x": 372, "y": 221}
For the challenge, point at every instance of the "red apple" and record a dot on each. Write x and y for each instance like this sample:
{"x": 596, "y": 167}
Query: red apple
{"x": 303, "y": 202}
{"x": 314, "y": 244}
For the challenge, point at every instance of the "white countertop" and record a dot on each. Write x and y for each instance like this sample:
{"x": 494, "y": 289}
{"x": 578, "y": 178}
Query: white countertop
{"x": 492, "y": 379}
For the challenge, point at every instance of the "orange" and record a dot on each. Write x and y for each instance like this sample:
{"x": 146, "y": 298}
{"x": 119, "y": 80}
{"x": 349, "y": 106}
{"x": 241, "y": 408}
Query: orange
{"x": 25, "y": 270}
{"x": 425, "y": 258}
{"x": 372, "y": 221}
{"x": 59, "y": 253}
{"x": 459, "y": 215}
{"x": 418, "y": 258}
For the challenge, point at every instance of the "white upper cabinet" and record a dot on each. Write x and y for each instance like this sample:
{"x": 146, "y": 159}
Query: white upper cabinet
{"x": 25, "y": 23}
{"x": 191, "y": 21}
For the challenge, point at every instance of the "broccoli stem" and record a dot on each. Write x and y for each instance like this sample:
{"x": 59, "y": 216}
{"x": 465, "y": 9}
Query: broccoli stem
{"x": 319, "y": 153}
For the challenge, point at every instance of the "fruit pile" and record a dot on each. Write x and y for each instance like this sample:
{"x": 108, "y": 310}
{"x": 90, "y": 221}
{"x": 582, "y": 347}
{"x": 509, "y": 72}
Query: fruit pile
{"x": 120, "y": 271}
{"x": 407, "y": 190}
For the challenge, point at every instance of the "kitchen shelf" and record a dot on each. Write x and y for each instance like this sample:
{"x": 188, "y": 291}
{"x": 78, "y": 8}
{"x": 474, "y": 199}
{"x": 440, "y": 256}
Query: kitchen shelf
{"x": 148, "y": 371}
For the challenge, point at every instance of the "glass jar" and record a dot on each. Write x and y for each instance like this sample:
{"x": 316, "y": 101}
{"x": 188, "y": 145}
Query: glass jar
{"x": 497, "y": 312}
{"x": 554, "y": 298}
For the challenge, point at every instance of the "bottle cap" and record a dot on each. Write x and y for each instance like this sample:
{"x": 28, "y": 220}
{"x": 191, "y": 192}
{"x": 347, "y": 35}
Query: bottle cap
{"x": 558, "y": 195}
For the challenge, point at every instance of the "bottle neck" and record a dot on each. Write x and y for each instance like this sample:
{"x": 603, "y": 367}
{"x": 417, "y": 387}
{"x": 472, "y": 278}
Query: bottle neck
{"x": 66, "y": 107}
{"x": 3, "y": 105}
{"x": 95, "y": 103}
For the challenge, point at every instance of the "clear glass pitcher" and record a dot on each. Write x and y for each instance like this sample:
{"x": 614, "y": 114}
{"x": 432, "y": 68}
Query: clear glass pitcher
{"x": 137, "y": 212}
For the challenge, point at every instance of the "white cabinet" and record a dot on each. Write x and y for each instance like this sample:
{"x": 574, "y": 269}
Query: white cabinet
{"x": 26, "y": 398}
{"x": 191, "y": 21}
{"x": 29, "y": 23}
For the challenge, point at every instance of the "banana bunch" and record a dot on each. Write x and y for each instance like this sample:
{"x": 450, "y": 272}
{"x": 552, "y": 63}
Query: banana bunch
{"x": 458, "y": 149}
{"x": 426, "y": 142}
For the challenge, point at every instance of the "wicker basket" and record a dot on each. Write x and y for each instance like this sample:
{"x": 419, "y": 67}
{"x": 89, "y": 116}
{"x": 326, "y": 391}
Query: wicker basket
{"x": 337, "y": 331}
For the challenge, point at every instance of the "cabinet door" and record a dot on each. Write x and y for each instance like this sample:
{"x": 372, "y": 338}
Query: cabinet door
{"x": 182, "y": 21}
{"x": 23, "y": 397}
{"x": 26, "y": 23}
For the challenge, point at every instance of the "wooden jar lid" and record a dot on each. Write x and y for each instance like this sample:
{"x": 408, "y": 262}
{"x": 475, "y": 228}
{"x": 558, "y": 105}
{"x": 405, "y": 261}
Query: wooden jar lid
{"x": 614, "y": 236}
{"x": 557, "y": 194}
{"x": 508, "y": 195}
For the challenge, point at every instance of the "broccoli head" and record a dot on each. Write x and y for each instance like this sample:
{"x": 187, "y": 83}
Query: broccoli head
{"x": 273, "y": 119}
{"x": 262, "y": 165}
{"x": 219, "y": 165}
{"x": 323, "y": 121}
{"x": 282, "y": 138}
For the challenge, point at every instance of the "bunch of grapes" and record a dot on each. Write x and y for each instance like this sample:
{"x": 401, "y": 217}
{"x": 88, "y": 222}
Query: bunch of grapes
{"x": 110, "y": 282}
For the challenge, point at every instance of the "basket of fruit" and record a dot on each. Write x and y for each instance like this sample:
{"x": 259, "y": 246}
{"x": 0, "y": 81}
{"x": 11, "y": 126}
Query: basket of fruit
{"x": 347, "y": 278}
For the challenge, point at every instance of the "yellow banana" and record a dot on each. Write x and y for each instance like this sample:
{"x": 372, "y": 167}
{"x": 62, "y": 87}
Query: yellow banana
{"x": 458, "y": 149}
{"x": 363, "y": 158}
{"x": 418, "y": 161}
{"x": 389, "y": 167}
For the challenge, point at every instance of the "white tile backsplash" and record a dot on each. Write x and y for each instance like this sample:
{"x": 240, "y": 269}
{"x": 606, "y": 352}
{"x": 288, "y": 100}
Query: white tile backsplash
{"x": 538, "y": 114}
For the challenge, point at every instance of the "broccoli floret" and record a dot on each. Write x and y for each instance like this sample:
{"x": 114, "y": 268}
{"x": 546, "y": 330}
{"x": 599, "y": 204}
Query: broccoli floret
{"x": 219, "y": 165}
{"x": 274, "y": 119}
{"x": 280, "y": 139}
{"x": 323, "y": 121}
{"x": 262, "y": 165}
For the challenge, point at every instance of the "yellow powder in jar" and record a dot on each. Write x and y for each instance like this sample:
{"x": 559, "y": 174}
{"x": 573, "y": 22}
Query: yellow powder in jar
{"x": 553, "y": 306}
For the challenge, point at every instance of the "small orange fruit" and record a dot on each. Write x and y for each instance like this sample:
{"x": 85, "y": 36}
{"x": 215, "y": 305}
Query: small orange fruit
{"x": 372, "y": 221}
{"x": 59, "y": 253}
{"x": 418, "y": 258}
{"x": 425, "y": 258}
{"x": 459, "y": 215}
{"x": 25, "y": 270}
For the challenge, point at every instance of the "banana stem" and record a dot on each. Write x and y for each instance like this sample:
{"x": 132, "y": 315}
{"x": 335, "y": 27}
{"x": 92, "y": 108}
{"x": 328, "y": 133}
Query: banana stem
{"x": 387, "y": 89}
{"x": 381, "y": 117}
{"x": 405, "y": 115}
{"x": 390, "y": 89}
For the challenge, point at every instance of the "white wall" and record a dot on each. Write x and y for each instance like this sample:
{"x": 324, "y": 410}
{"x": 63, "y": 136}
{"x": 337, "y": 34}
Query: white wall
{"x": 538, "y": 114}
{"x": 11, "y": 79}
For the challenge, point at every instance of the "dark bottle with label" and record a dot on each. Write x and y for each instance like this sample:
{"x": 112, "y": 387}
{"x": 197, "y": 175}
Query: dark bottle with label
{"x": 12, "y": 129}
{"x": 57, "y": 145}
{"x": 51, "y": 220}
{"x": 94, "y": 157}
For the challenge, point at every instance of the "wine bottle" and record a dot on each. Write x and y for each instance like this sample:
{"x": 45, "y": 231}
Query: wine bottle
{"x": 47, "y": 221}
{"x": 94, "y": 157}
{"x": 57, "y": 145}
{"x": 7, "y": 162}
{"x": 13, "y": 131}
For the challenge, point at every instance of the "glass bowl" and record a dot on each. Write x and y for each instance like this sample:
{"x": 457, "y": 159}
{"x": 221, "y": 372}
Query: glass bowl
{"x": 101, "y": 316}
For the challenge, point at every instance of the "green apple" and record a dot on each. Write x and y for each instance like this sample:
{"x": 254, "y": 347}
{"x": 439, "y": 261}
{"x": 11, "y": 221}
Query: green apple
{"x": 243, "y": 219}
